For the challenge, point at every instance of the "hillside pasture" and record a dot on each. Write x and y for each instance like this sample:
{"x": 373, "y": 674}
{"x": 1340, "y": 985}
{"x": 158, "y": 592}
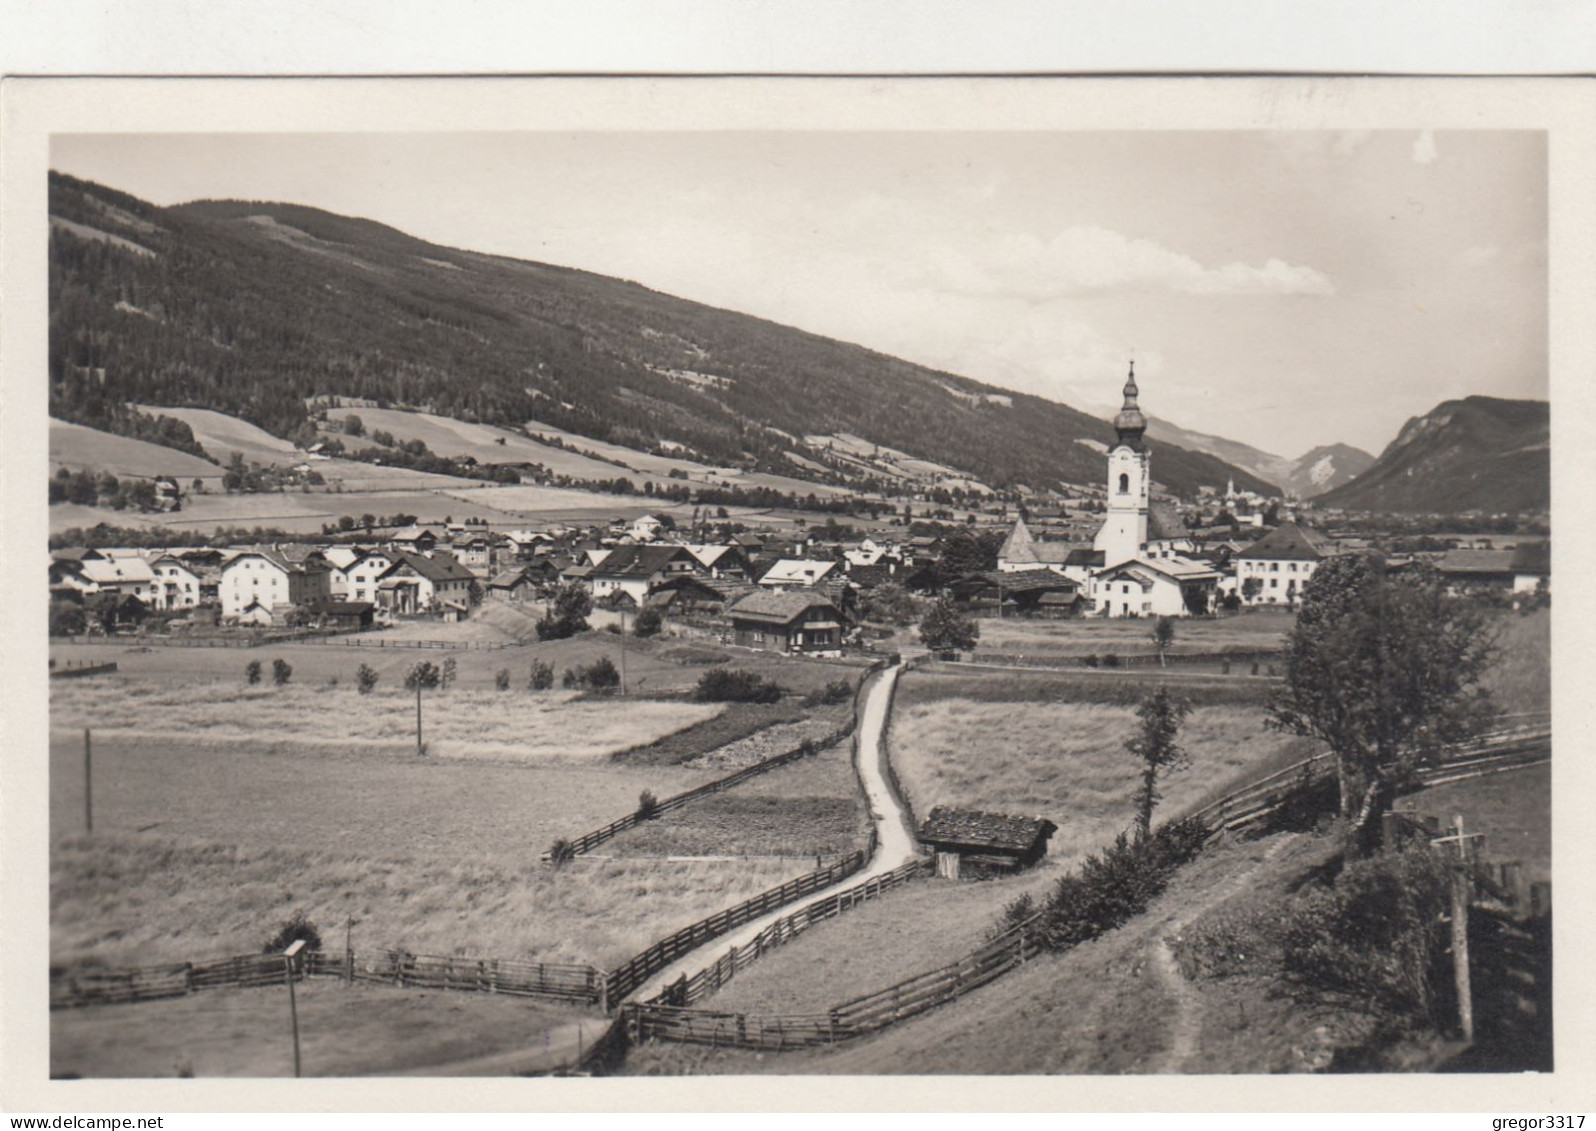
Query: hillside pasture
{"x": 1521, "y": 678}
{"x": 78, "y": 446}
{"x": 222, "y": 435}
{"x": 344, "y": 1031}
{"x": 468, "y": 723}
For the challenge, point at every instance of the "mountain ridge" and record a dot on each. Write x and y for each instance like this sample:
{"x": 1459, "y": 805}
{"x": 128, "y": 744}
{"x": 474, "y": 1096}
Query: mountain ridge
{"x": 251, "y": 307}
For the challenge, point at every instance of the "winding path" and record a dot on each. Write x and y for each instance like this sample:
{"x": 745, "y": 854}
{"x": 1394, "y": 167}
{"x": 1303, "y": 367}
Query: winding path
{"x": 895, "y": 840}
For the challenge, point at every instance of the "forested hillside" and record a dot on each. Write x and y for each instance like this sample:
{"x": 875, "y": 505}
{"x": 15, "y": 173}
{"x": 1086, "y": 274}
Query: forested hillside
{"x": 249, "y": 308}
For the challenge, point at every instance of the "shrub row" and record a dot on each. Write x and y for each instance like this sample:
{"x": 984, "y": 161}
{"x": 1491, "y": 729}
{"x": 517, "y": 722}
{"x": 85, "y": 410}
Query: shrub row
{"x": 737, "y": 685}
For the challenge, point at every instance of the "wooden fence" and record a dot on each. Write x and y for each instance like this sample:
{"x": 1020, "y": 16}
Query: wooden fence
{"x": 624, "y": 979}
{"x": 1241, "y": 663}
{"x": 687, "y": 990}
{"x": 92, "y": 985}
{"x": 337, "y": 638}
{"x": 670, "y": 1018}
{"x": 591, "y": 840}
{"x": 77, "y": 669}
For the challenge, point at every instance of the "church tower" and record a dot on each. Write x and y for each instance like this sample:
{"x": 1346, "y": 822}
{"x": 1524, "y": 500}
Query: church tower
{"x": 1123, "y": 534}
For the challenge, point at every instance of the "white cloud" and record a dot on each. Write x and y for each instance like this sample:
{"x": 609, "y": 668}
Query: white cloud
{"x": 1086, "y": 259}
{"x": 1424, "y": 151}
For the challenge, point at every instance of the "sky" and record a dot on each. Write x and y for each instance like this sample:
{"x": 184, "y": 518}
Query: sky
{"x": 1286, "y": 289}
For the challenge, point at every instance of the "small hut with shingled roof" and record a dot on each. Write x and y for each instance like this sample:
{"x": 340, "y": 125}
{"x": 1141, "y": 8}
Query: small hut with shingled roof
{"x": 968, "y": 842}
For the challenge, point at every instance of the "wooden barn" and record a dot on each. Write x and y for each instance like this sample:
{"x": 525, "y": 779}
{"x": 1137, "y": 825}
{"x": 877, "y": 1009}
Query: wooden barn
{"x": 968, "y": 842}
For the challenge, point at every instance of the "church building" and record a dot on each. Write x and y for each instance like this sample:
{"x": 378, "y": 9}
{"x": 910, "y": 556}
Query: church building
{"x": 1137, "y": 564}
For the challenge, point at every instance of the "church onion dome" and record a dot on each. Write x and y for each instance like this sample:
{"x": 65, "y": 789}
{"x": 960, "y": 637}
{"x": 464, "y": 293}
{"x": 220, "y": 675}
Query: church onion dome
{"x": 1129, "y": 422}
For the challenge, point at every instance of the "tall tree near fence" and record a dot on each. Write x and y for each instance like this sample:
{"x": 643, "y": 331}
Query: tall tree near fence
{"x": 945, "y": 629}
{"x": 1154, "y": 744}
{"x": 1384, "y": 667}
{"x": 1163, "y": 637}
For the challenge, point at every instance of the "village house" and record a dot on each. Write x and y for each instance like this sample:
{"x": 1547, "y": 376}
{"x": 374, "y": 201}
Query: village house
{"x": 125, "y": 573}
{"x": 1164, "y": 587}
{"x": 1034, "y": 593}
{"x": 359, "y": 578}
{"x": 721, "y": 562}
{"x": 630, "y": 572}
{"x": 259, "y": 586}
{"x": 786, "y": 622}
{"x": 418, "y": 583}
{"x": 176, "y": 584}
{"x": 516, "y": 585}
{"x": 971, "y": 843}
{"x": 1273, "y": 570}
{"x": 414, "y": 539}
{"x": 1532, "y": 567}
{"x": 686, "y": 593}
{"x": 344, "y": 615}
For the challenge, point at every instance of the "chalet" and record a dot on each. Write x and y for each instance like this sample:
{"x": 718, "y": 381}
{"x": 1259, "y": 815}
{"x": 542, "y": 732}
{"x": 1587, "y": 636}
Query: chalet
{"x": 717, "y": 562}
{"x": 1165, "y": 587}
{"x": 795, "y": 573}
{"x": 1035, "y": 593}
{"x": 786, "y": 622}
{"x": 635, "y": 570}
{"x": 1475, "y": 570}
{"x": 415, "y": 539}
{"x": 1273, "y": 570}
{"x": 416, "y": 583}
{"x": 473, "y": 550}
{"x": 968, "y": 842}
{"x": 274, "y": 579}
{"x": 361, "y": 576}
{"x": 516, "y": 585}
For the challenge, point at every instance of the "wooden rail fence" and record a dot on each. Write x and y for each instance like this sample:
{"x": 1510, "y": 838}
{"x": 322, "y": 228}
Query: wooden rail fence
{"x": 624, "y": 979}
{"x": 77, "y": 669}
{"x": 92, "y": 985}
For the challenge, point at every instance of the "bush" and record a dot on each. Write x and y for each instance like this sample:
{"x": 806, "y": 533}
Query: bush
{"x": 1015, "y": 912}
{"x": 735, "y": 685}
{"x": 647, "y": 806}
{"x": 648, "y": 623}
{"x": 501, "y": 679}
{"x": 282, "y": 672}
{"x": 1090, "y": 660}
{"x": 541, "y": 677}
{"x": 561, "y": 852}
{"x": 365, "y": 679}
{"x": 837, "y": 691}
{"x": 1111, "y": 660}
{"x": 1374, "y": 938}
{"x": 67, "y": 618}
{"x": 572, "y": 604}
{"x": 252, "y": 672}
{"x": 425, "y": 675}
{"x": 451, "y": 672}
{"x": 291, "y": 930}
{"x": 600, "y": 675}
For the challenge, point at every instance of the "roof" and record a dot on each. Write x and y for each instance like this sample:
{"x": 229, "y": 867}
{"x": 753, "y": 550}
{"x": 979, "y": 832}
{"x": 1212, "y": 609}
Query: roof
{"x": 1533, "y": 557}
{"x": 777, "y": 608}
{"x": 1164, "y": 523}
{"x": 972, "y": 828}
{"x": 1176, "y": 568}
{"x": 796, "y": 571}
{"x": 1290, "y": 542}
{"x": 439, "y": 567}
{"x": 640, "y": 561}
{"x": 1477, "y": 561}
{"x": 508, "y": 579}
{"x": 1022, "y": 548}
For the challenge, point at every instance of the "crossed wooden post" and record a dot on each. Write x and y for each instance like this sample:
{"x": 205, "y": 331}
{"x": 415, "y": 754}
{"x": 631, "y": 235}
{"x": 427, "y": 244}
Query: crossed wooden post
{"x": 1462, "y": 894}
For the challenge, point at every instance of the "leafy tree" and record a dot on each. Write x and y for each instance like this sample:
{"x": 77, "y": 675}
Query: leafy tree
{"x": 66, "y": 618}
{"x": 282, "y": 671}
{"x": 647, "y": 806}
{"x": 889, "y": 603}
{"x": 1251, "y": 587}
{"x": 252, "y": 671}
{"x": 1384, "y": 668}
{"x": 541, "y": 677}
{"x": 1154, "y": 745}
{"x": 571, "y": 607}
{"x": 1163, "y": 637}
{"x": 501, "y": 679}
{"x": 365, "y": 679}
{"x": 424, "y": 674}
{"x": 648, "y": 623}
{"x": 945, "y": 629}
{"x": 451, "y": 672}
{"x": 354, "y": 426}
{"x": 291, "y": 930}
{"x": 474, "y": 592}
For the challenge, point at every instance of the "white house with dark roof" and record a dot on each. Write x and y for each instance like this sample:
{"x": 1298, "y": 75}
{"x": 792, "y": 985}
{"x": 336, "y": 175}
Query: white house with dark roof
{"x": 787, "y": 622}
{"x": 1279, "y": 564}
{"x": 176, "y": 585}
{"x": 273, "y": 580}
{"x": 420, "y": 583}
{"x": 796, "y": 573}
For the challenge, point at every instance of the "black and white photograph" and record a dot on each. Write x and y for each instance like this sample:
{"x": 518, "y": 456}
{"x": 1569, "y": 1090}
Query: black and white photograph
{"x": 880, "y": 593}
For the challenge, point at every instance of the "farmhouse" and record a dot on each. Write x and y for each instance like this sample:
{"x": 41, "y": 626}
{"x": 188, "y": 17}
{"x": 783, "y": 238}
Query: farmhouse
{"x": 273, "y": 580}
{"x": 1273, "y": 570}
{"x": 686, "y": 594}
{"x": 416, "y": 583}
{"x": 786, "y": 622}
{"x": 344, "y": 614}
{"x": 1034, "y": 592}
{"x": 176, "y": 584}
{"x": 1163, "y": 587}
{"x": 358, "y": 580}
{"x": 796, "y": 573}
{"x": 515, "y": 585}
{"x": 971, "y": 842}
{"x": 633, "y": 571}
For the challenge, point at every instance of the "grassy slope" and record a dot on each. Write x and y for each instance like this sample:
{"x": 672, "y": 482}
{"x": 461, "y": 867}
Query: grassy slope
{"x": 1100, "y": 1008}
{"x": 344, "y": 1031}
{"x": 75, "y": 446}
{"x": 1255, "y": 630}
{"x": 1521, "y": 679}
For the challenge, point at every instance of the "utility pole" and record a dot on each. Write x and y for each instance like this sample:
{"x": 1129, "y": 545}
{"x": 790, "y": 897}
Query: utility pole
{"x": 420, "y": 749}
{"x": 88, "y": 782}
{"x": 349, "y": 950}
{"x": 293, "y": 1008}
{"x": 1462, "y": 896}
{"x": 623, "y": 651}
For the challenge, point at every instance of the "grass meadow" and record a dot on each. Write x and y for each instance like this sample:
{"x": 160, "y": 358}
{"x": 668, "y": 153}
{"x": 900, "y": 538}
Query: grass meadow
{"x": 810, "y": 807}
{"x": 344, "y": 1031}
{"x": 1521, "y": 678}
{"x": 1258, "y": 629}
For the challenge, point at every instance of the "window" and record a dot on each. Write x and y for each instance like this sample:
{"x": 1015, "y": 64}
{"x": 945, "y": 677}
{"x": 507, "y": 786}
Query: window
{"x": 1147, "y": 606}
{"x": 1274, "y": 583}
{"x": 1274, "y": 567}
{"x": 1124, "y": 483}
